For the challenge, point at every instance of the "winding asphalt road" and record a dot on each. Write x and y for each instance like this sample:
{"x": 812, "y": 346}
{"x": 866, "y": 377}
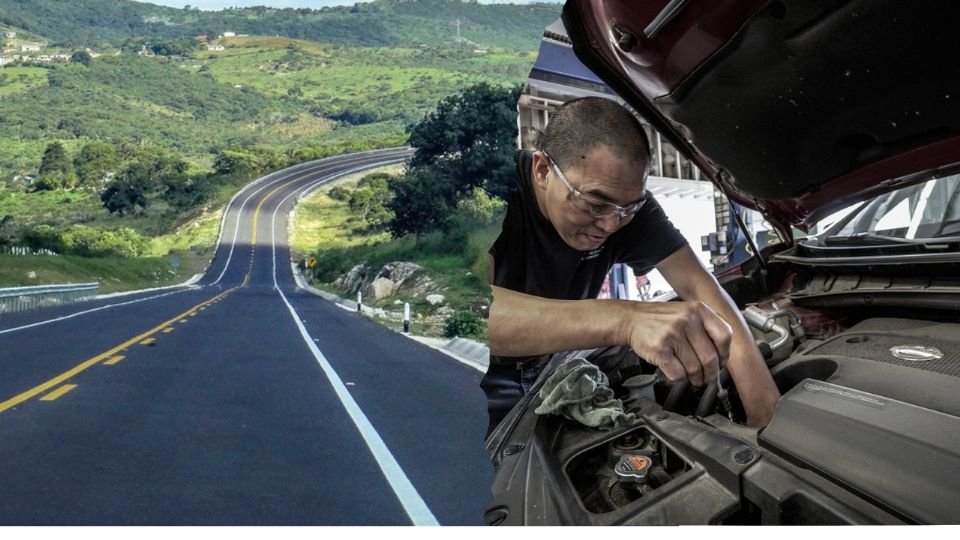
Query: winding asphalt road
{"x": 239, "y": 400}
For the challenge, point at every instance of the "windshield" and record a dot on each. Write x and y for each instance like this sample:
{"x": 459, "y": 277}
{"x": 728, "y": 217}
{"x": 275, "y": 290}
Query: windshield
{"x": 927, "y": 210}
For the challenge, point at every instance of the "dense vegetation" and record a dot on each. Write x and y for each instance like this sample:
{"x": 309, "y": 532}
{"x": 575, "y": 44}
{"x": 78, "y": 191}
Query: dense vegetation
{"x": 273, "y": 92}
{"x": 104, "y": 155}
{"x": 443, "y": 211}
{"x": 392, "y": 23}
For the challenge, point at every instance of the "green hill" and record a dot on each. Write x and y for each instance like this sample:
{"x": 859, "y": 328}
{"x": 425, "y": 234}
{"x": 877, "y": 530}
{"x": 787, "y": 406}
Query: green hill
{"x": 391, "y": 23}
{"x": 276, "y": 92}
{"x": 306, "y": 84}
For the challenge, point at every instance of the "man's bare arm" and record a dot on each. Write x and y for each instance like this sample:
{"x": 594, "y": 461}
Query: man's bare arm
{"x": 685, "y": 339}
{"x": 691, "y": 281}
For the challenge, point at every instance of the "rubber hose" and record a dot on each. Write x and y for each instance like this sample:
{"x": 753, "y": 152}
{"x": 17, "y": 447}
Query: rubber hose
{"x": 677, "y": 392}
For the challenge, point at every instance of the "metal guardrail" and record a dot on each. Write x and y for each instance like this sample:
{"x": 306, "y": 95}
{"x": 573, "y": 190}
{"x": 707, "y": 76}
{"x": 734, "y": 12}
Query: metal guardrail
{"x": 14, "y": 299}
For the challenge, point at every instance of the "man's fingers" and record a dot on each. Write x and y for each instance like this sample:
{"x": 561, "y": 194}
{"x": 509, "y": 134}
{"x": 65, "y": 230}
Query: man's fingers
{"x": 719, "y": 331}
{"x": 707, "y": 355}
{"x": 692, "y": 366}
{"x": 671, "y": 367}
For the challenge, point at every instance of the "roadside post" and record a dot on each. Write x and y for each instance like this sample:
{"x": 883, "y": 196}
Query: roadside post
{"x": 406, "y": 317}
{"x": 359, "y": 302}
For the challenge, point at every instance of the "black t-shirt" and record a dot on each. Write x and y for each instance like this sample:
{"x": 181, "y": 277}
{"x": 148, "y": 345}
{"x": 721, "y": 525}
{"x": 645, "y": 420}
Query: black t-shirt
{"x": 530, "y": 257}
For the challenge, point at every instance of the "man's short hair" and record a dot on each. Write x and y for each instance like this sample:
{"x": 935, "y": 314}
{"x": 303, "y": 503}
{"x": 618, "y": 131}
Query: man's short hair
{"x": 580, "y": 125}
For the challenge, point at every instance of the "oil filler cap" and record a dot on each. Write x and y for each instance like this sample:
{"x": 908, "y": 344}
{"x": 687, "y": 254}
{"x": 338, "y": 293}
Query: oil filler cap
{"x": 633, "y": 468}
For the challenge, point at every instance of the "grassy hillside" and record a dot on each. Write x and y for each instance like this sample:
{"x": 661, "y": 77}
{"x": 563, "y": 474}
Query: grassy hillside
{"x": 275, "y": 92}
{"x": 312, "y": 83}
{"x": 359, "y": 85}
{"x": 382, "y": 23}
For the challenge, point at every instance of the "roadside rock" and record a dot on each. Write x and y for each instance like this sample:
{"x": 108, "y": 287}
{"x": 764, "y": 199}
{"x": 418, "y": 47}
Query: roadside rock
{"x": 399, "y": 272}
{"x": 390, "y": 279}
{"x": 31, "y": 275}
{"x": 355, "y": 279}
{"x": 382, "y": 288}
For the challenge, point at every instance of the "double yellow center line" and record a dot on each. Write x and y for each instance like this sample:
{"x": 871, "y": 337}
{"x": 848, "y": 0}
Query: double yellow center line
{"x": 83, "y": 366}
{"x": 253, "y": 235}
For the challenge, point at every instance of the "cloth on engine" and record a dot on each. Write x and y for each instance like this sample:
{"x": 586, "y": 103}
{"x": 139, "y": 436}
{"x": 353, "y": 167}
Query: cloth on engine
{"x": 578, "y": 390}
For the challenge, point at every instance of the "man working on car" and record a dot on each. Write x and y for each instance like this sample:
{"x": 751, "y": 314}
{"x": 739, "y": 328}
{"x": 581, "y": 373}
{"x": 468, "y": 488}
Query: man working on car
{"x": 580, "y": 207}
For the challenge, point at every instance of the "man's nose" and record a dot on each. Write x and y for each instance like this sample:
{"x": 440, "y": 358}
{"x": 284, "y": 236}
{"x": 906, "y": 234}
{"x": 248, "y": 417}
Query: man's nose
{"x": 609, "y": 223}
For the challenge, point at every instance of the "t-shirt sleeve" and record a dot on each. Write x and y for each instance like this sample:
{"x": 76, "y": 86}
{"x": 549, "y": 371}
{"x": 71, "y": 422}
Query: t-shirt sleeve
{"x": 649, "y": 238}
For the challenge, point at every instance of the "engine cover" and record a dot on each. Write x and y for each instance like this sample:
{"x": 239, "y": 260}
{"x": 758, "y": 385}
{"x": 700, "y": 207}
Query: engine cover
{"x": 904, "y": 457}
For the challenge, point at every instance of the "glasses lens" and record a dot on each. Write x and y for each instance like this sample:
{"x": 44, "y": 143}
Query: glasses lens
{"x": 595, "y": 208}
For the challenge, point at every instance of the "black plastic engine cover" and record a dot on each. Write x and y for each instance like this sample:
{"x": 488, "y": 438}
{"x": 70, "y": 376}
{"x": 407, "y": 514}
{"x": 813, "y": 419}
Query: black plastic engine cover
{"x": 903, "y": 457}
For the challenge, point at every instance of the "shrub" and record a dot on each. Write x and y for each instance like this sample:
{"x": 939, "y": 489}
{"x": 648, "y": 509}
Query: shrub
{"x": 463, "y": 324}
{"x": 86, "y": 241}
{"x": 339, "y": 193}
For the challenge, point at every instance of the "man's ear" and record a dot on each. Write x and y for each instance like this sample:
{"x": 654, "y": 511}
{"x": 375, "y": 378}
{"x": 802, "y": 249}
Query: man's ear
{"x": 541, "y": 168}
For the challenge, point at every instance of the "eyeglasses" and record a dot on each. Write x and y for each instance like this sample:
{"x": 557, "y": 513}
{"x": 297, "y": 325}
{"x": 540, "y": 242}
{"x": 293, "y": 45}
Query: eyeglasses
{"x": 593, "y": 205}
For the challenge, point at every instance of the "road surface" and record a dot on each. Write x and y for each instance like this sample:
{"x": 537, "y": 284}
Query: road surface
{"x": 240, "y": 400}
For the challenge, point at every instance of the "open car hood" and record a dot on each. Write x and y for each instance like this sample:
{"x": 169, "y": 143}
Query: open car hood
{"x": 794, "y": 107}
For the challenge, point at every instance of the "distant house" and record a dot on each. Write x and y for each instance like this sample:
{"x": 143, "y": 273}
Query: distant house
{"x": 29, "y": 48}
{"x": 229, "y": 34}
{"x": 10, "y": 35}
{"x": 215, "y": 47}
{"x": 5, "y": 60}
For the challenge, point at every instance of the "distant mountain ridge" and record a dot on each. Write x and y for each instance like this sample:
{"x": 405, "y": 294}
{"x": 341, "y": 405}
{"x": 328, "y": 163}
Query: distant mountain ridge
{"x": 389, "y": 23}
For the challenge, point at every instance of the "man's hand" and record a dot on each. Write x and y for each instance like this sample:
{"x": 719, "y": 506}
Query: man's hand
{"x": 686, "y": 340}
{"x": 757, "y": 390}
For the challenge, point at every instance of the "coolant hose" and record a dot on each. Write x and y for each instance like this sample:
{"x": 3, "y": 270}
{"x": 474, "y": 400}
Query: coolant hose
{"x": 677, "y": 392}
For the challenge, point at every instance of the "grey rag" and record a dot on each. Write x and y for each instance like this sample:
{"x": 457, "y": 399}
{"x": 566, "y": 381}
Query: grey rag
{"x": 578, "y": 390}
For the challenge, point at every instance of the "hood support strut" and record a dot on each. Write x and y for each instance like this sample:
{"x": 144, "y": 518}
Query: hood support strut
{"x": 764, "y": 270}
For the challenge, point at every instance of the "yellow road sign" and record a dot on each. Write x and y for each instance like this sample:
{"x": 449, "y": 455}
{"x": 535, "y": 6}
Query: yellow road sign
{"x": 311, "y": 262}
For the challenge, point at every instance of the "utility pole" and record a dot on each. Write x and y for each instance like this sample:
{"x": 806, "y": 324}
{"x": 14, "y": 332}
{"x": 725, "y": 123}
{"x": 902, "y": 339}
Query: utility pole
{"x": 458, "y": 29}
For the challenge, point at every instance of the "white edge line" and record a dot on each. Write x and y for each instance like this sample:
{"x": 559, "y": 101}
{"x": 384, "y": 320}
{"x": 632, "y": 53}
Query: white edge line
{"x": 406, "y": 493}
{"x": 312, "y": 290}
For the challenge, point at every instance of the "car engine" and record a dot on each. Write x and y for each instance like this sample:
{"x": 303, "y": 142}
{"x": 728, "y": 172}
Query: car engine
{"x": 867, "y": 431}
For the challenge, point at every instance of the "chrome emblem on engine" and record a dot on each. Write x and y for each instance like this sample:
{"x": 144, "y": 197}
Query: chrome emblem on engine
{"x": 916, "y": 353}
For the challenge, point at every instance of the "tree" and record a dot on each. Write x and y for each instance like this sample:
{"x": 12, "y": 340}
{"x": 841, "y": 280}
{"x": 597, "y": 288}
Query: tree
{"x": 130, "y": 188}
{"x": 95, "y": 161}
{"x": 56, "y": 170}
{"x": 466, "y": 143}
{"x": 133, "y": 45}
{"x": 236, "y": 162}
{"x": 370, "y": 198}
{"x": 81, "y": 57}
{"x": 360, "y": 201}
{"x": 475, "y": 132}
{"x": 420, "y": 203}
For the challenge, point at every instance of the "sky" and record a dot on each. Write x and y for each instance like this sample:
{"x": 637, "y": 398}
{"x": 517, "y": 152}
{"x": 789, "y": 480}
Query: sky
{"x": 214, "y": 5}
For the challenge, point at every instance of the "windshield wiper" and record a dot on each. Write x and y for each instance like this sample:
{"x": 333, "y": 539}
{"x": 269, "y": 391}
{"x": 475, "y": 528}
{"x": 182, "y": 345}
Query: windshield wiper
{"x": 879, "y": 239}
{"x": 868, "y": 238}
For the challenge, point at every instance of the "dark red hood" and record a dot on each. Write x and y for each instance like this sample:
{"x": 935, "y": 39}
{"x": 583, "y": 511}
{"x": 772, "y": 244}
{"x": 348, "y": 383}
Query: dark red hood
{"x": 795, "y": 107}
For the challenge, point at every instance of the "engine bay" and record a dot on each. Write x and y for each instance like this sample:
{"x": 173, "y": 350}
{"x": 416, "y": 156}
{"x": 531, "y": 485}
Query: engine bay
{"x": 867, "y": 431}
